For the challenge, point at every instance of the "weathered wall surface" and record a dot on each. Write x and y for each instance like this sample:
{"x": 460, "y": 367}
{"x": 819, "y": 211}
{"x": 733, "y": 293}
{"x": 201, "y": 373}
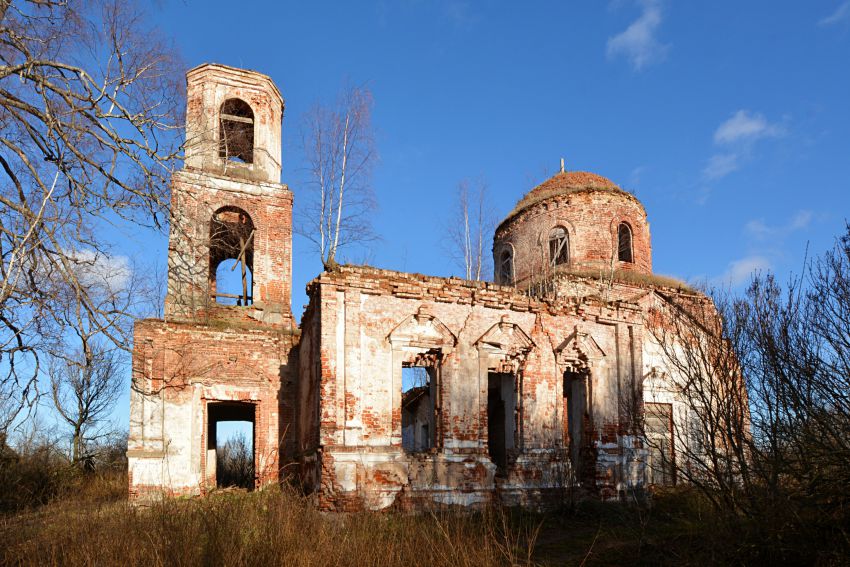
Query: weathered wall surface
{"x": 526, "y": 397}
{"x": 198, "y": 196}
{"x": 591, "y": 218}
{"x": 178, "y": 371}
{"x": 208, "y": 87}
{"x": 370, "y": 322}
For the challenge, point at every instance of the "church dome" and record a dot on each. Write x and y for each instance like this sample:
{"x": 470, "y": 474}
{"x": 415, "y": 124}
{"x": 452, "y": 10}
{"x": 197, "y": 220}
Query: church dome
{"x": 565, "y": 182}
{"x": 576, "y": 221}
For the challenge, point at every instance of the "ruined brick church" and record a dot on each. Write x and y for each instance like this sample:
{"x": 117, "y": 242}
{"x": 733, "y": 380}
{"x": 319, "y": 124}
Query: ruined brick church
{"x": 397, "y": 389}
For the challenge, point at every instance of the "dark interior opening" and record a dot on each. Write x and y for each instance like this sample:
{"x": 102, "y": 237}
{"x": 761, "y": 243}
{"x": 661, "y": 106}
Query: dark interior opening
{"x": 236, "y": 131}
{"x": 576, "y": 417}
{"x": 501, "y": 422}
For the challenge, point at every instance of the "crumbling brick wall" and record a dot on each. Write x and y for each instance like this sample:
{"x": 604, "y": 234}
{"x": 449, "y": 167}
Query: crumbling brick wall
{"x": 366, "y": 321}
{"x": 178, "y": 370}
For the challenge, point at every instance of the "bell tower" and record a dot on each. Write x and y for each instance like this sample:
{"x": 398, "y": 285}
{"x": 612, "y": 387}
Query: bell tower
{"x": 230, "y": 245}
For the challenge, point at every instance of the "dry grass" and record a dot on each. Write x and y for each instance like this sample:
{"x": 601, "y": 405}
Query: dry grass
{"x": 271, "y": 527}
{"x": 96, "y": 526}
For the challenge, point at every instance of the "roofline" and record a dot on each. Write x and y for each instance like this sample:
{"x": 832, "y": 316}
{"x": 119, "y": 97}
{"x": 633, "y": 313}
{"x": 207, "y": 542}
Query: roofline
{"x": 566, "y": 190}
{"x": 238, "y": 70}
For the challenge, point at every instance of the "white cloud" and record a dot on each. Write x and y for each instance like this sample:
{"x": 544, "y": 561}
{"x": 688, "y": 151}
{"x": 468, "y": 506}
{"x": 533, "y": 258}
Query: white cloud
{"x": 841, "y": 14}
{"x": 638, "y": 42}
{"x": 720, "y": 165}
{"x": 759, "y": 230}
{"x": 738, "y": 134}
{"x": 740, "y": 271}
{"x": 745, "y": 126}
{"x": 801, "y": 220}
{"x": 100, "y": 271}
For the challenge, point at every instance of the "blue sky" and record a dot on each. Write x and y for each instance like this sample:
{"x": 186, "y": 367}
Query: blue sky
{"x": 729, "y": 120}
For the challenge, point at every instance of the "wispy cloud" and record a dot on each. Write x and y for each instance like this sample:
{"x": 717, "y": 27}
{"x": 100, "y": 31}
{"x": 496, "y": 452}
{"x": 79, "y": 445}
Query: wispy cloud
{"x": 737, "y": 135}
{"x": 745, "y": 126}
{"x": 767, "y": 246}
{"x": 99, "y": 271}
{"x": 841, "y": 14}
{"x": 638, "y": 43}
{"x": 720, "y": 165}
{"x": 761, "y": 231}
{"x": 742, "y": 270}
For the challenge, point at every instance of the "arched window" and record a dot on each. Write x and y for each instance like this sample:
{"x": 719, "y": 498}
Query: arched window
{"x": 231, "y": 257}
{"x": 506, "y": 267}
{"x": 559, "y": 246}
{"x": 624, "y": 243}
{"x": 236, "y": 131}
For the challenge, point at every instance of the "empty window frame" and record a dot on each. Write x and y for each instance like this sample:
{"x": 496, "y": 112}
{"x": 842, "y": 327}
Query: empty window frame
{"x": 559, "y": 246}
{"x": 576, "y": 418}
{"x": 658, "y": 427}
{"x": 506, "y": 266}
{"x": 418, "y": 408}
{"x": 236, "y": 131}
{"x": 501, "y": 417}
{"x": 624, "y": 243}
{"x": 231, "y": 249}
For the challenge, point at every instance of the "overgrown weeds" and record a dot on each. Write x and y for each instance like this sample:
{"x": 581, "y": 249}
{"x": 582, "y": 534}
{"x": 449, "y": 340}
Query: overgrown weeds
{"x": 277, "y": 526}
{"x": 270, "y": 527}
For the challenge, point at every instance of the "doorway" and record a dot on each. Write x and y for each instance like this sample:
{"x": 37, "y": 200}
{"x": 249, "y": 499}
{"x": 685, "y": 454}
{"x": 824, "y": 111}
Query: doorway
{"x": 230, "y": 444}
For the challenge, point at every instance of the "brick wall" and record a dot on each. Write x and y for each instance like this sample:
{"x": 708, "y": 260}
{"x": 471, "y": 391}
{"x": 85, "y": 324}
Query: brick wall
{"x": 367, "y": 322}
{"x": 591, "y": 218}
{"x": 178, "y": 369}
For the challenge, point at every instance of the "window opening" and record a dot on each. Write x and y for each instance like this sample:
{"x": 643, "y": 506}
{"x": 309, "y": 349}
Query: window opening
{"x": 228, "y": 276}
{"x": 658, "y": 426}
{"x": 236, "y": 131}
{"x": 576, "y": 418}
{"x": 418, "y": 408}
{"x": 624, "y": 240}
{"x": 232, "y": 247}
{"x": 501, "y": 417}
{"x": 506, "y": 267}
{"x": 230, "y": 444}
{"x": 559, "y": 246}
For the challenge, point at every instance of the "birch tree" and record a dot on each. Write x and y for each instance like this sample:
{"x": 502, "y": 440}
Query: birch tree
{"x": 339, "y": 149}
{"x": 469, "y": 231}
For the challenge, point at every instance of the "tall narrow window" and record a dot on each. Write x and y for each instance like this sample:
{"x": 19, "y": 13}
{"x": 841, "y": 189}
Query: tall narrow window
{"x": 501, "y": 418}
{"x": 418, "y": 408}
{"x": 236, "y": 131}
{"x": 559, "y": 246}
{"x": 624, "y": 243}
{"x": 658, "y": 426}
{"x": 506, "y": 267}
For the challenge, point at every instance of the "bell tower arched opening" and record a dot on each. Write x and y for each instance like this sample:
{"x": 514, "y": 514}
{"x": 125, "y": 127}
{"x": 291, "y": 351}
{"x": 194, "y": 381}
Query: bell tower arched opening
{"x": 236, "y": 131}
{"x": 232, "y": 248}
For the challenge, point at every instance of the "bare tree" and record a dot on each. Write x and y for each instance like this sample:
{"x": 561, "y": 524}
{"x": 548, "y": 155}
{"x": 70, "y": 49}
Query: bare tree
{"x": 338, "y": 145}
{"x": 235, "y": 463}
{"x": 90, "y": 106}
{"x": 84, "y": 387}
{"x": 469, "y": 231}
{"x": 764, "y": 382}
{"x": 700, "y": 339}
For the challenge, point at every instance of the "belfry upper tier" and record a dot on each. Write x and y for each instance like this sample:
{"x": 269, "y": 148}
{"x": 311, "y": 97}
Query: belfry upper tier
{"x": 574, "y": 221}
